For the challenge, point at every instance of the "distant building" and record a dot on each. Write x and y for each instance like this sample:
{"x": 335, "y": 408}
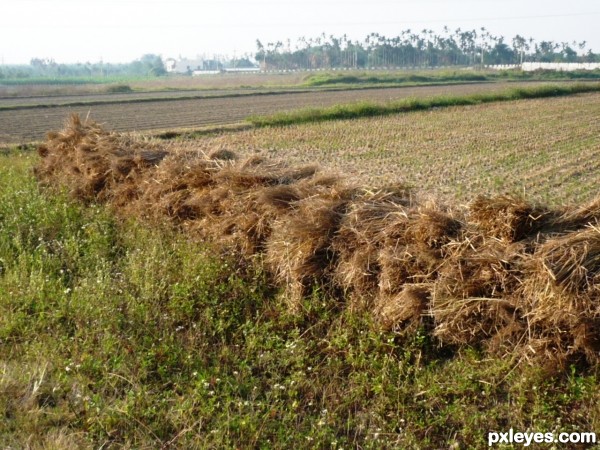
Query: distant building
{"x": 532, "y": 66}
{"x": 184, "y": 65}
{"x": 201, "y": 66}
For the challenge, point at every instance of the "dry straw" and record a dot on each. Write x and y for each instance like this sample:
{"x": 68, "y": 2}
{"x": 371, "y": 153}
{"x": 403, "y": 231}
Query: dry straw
{"x": 511, "y": 277}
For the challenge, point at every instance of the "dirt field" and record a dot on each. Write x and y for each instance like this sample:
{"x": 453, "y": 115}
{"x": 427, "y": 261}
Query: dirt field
{"x": 27, "y": 125}
{"x": 54, "y": 100}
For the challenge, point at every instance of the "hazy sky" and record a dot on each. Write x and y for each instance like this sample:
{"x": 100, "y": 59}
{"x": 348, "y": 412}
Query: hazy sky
{"x": 123, "y": 30}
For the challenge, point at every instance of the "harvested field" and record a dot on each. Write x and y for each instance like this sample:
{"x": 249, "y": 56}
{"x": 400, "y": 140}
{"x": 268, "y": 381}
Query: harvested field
{"x": 27, "y": 125}
{"x": 61, "y": 100}
{"x": 548, "y": 149}
{"x": 218, "y": 82}
{"x": 513, "y": 278}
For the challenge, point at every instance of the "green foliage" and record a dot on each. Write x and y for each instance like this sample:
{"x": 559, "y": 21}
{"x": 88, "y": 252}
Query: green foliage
{"x": 119, "y": 335}
{"x": 49, "y": 72}
{"x": 443, "y": 76}
{"x": 402, "y": 78}
{"x": 119, "y": 89}
{"x": 412, "y": 49}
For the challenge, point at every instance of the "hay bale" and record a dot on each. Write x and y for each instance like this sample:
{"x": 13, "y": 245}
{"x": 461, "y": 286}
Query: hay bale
{"x": 563, "y": 276}
{"x": 299, "y": 250}
{"x": 168, "y": 190}
{"x": 508, "y": 217}
{"x": 473, "y": 299}
{"x": 361, "y": 236}
{"x": 562, "y": 292}
{"x": 404, "y": 311}
{"x": 471, "y": 320}
{"x": 432, "y": 229}
{"x": 90, "y": 161}
{"x": 577, "y": 217}
{"x": 414, "y": 247}
{"x": 281, "y": 198}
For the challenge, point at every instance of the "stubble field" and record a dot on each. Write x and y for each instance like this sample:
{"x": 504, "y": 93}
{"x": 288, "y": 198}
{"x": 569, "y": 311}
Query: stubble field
{"x": 546, "y": 149}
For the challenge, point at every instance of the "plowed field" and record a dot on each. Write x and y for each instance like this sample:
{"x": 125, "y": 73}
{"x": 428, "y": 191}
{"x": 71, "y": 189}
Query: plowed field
{"x": 127, "y": 114}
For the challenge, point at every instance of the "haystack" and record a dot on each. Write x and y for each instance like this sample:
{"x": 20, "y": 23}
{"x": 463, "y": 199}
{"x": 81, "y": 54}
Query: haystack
{"x": 405, "y": 311}
{"x": 414, "y": 247}
{"x": 474, "y": 297}
{"x": 299, "y": 251}
{"x": 361, "y": 236}
{"x": 562, "y": 289}
{"x": 93, "y": 164}
{"x": 508, "y": 217}
{"x": 505, "y": 275}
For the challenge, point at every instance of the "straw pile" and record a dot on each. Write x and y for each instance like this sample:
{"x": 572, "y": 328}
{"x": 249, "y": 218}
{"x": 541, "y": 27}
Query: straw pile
{"x": 505, "y": 275}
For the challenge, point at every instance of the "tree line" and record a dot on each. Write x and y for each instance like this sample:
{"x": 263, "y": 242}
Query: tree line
{"x": 423, "y": 48}
{"x": 147, "y": 65}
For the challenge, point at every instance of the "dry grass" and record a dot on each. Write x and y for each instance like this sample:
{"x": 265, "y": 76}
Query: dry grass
{"x": 499, "y": 273}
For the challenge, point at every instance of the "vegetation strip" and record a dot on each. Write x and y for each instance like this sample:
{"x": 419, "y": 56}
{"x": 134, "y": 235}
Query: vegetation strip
{"x": 447, "y": 76}
{"x": 368, "y": 109}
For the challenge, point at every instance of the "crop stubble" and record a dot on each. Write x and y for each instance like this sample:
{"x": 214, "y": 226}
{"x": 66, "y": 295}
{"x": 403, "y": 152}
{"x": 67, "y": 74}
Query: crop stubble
{"x": 547, "y": 149}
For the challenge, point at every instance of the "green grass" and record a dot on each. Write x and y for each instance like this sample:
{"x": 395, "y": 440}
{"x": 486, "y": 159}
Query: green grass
{"x": 443, "y": 76}
{"x": 326, "y": 79}
{"x": 115, "y": 334}
{"x": 368, "y": 109}
{"x": 69, "y": 80}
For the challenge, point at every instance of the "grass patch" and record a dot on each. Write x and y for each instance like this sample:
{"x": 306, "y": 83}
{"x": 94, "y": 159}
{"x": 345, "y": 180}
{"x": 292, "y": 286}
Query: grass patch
{"x": 119, "y": 89}
{"x": 115, "y": 335}
{"x": 327, "y": 79}
{"x": 368, "y": 109}
{"x": 61, "y": 80}
{"x": 443, "y": 76}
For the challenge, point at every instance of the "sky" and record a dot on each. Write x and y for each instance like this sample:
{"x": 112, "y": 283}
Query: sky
{"x": 70, "y": 31}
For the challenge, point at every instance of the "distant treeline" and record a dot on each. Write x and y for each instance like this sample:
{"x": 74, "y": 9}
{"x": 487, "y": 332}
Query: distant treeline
{"x": 147, "y": 66}
{"x": 417, "y": 49}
